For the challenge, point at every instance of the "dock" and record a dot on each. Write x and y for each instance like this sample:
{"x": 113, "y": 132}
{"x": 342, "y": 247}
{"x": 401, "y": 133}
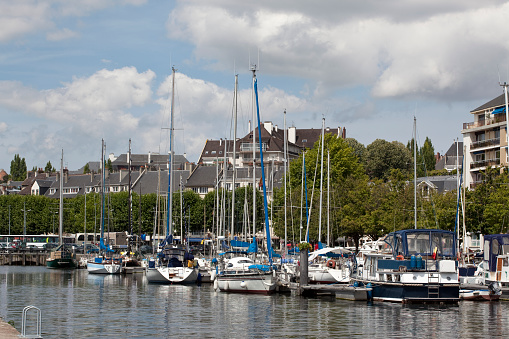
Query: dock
{"x": 339, "y": 291}
{"x": 7, "y": 331}
{"x": 23, "y": 258}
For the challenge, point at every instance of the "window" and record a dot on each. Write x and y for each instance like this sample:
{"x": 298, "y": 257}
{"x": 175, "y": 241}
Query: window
{"x": 304, "y": 140}
{"x": 203, "y": 190}
{"x": 195, "y": 189}
{"x": 220, "y": 152}
{"x": 213, "y": 152}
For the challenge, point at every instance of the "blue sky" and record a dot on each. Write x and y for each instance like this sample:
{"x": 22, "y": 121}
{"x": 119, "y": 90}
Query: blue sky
{"x": 74, "y": 72}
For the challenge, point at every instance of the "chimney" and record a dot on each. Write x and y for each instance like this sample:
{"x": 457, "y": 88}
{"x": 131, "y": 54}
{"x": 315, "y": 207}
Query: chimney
{"x": 275, "y": 127}
{"x": 249, "y": 126}
{"x": 292, "y": 135}
{"x": 268, "y": 126}
{"x": 91, "y": 176}
{"x": 66, "y": 175}
{"x": 220, "y": 141}
{"x": 149, "y": 159}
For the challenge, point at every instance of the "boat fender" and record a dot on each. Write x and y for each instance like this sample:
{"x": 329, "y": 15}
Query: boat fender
{"x": 213, "y": 275}
{"x": 243, "y": 284}
{"x": 370, "y": 292}
{"x": 215, "y": 285}
{"x": 331, "y": 264}
{"x": 190, "y": 263}
{"x": 400, "y": 257}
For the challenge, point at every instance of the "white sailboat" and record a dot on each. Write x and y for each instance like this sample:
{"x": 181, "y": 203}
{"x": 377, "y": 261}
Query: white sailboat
{"x": 243, "y": 275}
{"x": 174, "y": 264}
{"x": 104, "y": 263}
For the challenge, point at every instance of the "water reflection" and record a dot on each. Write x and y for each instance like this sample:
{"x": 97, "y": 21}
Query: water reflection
{"x": 78, "y": 305}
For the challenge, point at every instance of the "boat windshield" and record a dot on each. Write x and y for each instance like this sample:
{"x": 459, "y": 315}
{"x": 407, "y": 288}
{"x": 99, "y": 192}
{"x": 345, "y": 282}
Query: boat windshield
{"x": 419, "y": 243}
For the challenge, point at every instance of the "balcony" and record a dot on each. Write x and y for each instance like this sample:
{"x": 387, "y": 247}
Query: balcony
{"x": 495, "y": 120}
{"x": 485, "y": 143}
{"x": 485, "y": 163}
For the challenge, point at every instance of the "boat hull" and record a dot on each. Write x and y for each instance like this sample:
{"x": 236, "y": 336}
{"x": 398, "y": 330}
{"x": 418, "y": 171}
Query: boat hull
{"x": 247, "y": 283}
{"x": 103, "y": 268}
{"x": 479, "y": 295}
{"x": 172, "y": 275}
{"x": 61, "y": 263}
{"x": 413, "y": 293}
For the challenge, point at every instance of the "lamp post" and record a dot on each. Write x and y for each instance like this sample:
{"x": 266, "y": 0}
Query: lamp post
{"x": 24, "y": 220}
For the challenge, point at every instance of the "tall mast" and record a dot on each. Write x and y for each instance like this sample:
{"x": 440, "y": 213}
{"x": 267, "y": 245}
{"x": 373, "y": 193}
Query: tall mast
{"x": 321, "y": 186}
{"x": 129, "y": 162}
{"x": 253, "y": 69}
{"x": 328, "y": 197}
{"x": 102, "y": 188}
{"x": 169, "y": 216}
{"x": 234, "y": 152}
{"x": 285, "y": 150}
{"x": 506, "y": 115}
{"x": 415, "y": 173}
{"x": 61, "y": 202}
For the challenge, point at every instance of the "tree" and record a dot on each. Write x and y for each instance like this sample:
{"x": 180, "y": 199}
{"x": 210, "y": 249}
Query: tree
{"x": 428, "y": 155}
{"x": 86, "y": 169}
{"x": 382, "y": 156}
{"x": 18, "y": 168}
{"x": 358, "y": 149}
{"x": 49, "y": 168}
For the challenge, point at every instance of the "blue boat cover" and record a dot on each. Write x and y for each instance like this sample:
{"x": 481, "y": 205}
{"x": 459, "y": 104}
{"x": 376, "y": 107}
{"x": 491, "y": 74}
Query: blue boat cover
{"x": 253, "y": 247}
{"x": 238, "y": 243}
{"x": 104, "y": 247}
{"x": 264, "y": 268}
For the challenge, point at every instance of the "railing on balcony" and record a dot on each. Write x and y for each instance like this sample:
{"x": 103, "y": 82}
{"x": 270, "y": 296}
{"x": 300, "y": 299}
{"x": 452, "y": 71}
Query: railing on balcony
{"x": 485, "y": 143}
{"x": 496, "y": 119}
{"x": 248, "y": 147}
{"x": 485, "y": 163}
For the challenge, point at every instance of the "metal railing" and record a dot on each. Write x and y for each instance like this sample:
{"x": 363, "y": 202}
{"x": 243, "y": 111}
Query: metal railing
{"x": 485, "y": 163}
{"x": 485, "y": 143}
{"x": 496, "y": 119}
{"x": 24, "y": 323}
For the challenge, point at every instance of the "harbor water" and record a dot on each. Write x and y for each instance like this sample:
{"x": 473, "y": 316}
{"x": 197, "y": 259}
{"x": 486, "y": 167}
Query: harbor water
{"x": 75, "y": 304}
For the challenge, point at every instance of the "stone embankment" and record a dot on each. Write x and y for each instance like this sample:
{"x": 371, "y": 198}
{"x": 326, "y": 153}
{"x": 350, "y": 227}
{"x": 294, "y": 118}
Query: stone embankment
{"x": 7, "y": 331}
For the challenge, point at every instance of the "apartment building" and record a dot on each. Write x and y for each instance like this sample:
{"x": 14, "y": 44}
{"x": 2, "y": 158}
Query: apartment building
{"x": 485, "y": 140}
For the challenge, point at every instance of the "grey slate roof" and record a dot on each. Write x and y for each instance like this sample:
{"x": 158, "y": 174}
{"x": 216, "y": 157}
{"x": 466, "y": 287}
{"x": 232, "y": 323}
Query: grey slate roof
{"x": 497, "y": 102}
{"x": 442, "y": 183}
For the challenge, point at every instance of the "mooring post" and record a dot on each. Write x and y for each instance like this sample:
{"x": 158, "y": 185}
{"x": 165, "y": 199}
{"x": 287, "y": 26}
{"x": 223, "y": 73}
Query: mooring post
{"x": 303, "y": 279}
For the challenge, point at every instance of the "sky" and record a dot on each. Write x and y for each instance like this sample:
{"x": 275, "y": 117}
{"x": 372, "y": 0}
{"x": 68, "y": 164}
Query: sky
{"x": 75, "y": 72}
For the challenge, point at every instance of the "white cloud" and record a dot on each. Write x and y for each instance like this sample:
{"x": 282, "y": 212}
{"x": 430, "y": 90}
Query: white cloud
{"x": 397, "y": 48}
{"x": 21, "y": 17}
{"x": 62, "y": 34}
{"x": 3, "y": 127}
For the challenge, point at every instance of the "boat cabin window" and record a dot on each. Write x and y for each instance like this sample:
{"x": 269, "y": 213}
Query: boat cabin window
{"x": 444, "y": 242}
{"x": 486, "y": 250}
{"x": 387, "y": 244}
{"x": 494, "y": 246}
{"x": 418, "y": 243}
{"x": 399, "y": 244}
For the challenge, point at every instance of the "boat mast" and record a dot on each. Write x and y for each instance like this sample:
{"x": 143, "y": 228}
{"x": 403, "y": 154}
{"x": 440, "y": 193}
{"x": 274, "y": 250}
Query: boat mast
{"x": 61, "y": 202}
{"x": 234, "y": 152}
{"x": 267, "y": 228}
{"x": 415, "y": 173}
{"x": 253, "y": 69}
{"x": 321, "y": 186}
{"x": 285, "y": 149}
{"x": 129, "y": 162}
{"x": 328, "y": 197}
{"x": 102, "y": 190}
{"x": 169, "y": 216}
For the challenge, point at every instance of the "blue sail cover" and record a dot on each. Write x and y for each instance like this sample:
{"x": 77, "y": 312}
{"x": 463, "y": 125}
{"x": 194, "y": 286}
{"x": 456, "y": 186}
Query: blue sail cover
{"x": 293, "y": 250}
{"x": 238, "y": 243}
{"x": 104, "y": 247}
{"x": 253, "y": 247}
{"x": 320, "y": 245}
{"x": 167, "y": 240}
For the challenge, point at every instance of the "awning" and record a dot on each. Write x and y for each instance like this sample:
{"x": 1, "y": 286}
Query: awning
{"x": 498, "y": 110}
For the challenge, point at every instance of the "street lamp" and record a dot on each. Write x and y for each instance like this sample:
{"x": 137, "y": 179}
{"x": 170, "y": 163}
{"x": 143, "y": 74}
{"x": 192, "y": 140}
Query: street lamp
{"x": 24, "y": 220}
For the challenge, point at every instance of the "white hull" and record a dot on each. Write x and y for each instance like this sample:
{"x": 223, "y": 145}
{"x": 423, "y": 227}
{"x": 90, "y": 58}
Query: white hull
{"x": 172, "y": 275}
{"x": 325, "y": 275}
{"x": 108, "y": 268}
{"x": 247, "y": 283}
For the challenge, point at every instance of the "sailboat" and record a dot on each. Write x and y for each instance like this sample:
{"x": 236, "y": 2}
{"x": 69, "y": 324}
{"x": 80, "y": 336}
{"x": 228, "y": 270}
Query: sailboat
{"x": 61, "y": 257}
{"x": 414, "y": 265}
{"x": 104, "y": 263}
{"x": 174, "y": 263}
{"x": 242, "y": 274}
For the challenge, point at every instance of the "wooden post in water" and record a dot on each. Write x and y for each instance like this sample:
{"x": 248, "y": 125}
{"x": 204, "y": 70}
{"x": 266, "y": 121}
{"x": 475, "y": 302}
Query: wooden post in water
{"x": 303, "y": 280}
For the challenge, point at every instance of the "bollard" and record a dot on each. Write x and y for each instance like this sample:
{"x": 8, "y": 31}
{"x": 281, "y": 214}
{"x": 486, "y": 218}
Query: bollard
{"x": 303, "y": 280}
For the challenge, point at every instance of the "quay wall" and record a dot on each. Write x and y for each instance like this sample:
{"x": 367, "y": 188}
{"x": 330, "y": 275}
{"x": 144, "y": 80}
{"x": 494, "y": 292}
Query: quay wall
{"x": 7, "y": 331}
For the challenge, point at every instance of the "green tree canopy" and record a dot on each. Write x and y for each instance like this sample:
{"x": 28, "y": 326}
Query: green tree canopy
{"x": 383, "y": 156}
{"x": 18, "y": 168}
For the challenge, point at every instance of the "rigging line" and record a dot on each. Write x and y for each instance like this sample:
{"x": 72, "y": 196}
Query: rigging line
{"x": 181, "y": 122}
{"x": 163, "y": 116}
{"x": 312, "y": 193}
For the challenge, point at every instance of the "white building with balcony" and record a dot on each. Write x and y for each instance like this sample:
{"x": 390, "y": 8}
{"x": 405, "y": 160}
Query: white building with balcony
{"x": 485, "y": 140}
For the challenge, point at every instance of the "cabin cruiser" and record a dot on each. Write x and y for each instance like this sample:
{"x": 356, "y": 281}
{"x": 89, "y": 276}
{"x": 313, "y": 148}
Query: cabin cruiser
{"x": 414, "y": 266}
